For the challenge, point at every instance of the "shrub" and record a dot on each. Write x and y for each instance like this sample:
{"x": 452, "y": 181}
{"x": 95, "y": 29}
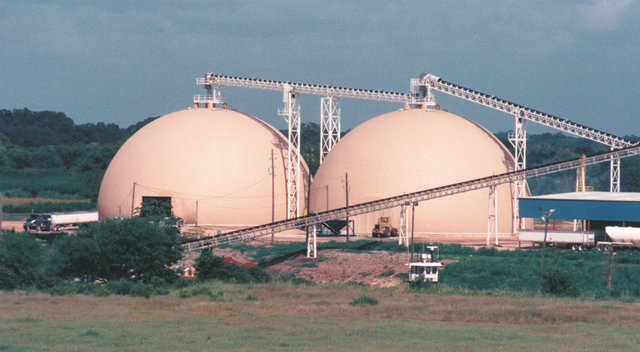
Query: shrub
{"x": 140, "y": 289}
{"x": 120, "y": 287}
{"x": 201, "y": 291}
{"x": 130, "y": 249}
{"x": 364, "y": 300}
{"x": 559, "y": 282}
{"x": 214, "y": 267}
{"x": 251, "y": 297}
{"x": 22, "y": 262}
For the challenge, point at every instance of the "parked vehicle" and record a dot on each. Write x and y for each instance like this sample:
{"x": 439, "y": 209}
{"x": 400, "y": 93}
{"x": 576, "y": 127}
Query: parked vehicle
{"x": 622, "y": 237}
{"x": 383, "y": 228}
{"x": 428, "y": 268}
{"x": 59, "y": 222}
{"x": 613, "y": 236}
{"x": 567, "y": 239}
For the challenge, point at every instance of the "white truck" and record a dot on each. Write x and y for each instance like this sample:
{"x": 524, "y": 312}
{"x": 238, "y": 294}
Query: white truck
{"x": 59, "y": 222}
{"x": 567, "y": 239}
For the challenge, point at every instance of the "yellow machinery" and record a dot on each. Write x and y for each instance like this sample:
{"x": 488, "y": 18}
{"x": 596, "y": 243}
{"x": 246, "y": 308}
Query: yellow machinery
{"x": 383, "y": 228}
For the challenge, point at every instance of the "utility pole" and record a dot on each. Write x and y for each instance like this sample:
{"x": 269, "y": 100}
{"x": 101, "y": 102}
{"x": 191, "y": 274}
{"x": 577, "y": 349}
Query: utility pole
{"x": 610, "y": 274}
{"x": 196, "y": 212}
{"x": 545, "y": 217}
{"x": 346, "y": 190}
{"x": 133, "y": 198}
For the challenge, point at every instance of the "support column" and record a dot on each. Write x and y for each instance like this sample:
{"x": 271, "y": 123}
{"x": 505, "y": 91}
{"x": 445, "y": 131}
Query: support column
{"x": 330, "y": 125}
{"x": 614, "y": 174}
{"x": 312, "y": 245}
{"x": 291, "y": 112}
{"x": 518, "y": 139}
{"x": 403, "y": 233}
{"x": 492, "y": 219}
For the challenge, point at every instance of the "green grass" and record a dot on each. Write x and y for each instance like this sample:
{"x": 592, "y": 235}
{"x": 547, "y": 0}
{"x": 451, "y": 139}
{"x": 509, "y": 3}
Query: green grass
{"x": 364, "y": 300}
{"x": 293, "y": 318}
{"x": 488, "y": 270}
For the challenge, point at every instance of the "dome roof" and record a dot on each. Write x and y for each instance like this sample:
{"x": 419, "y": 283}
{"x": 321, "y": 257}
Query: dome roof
{"x": 217, "y": 158}
{"x": 411, "y": 150}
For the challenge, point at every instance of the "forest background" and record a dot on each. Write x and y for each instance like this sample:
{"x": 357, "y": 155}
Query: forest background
{"x": 46, "y": 156}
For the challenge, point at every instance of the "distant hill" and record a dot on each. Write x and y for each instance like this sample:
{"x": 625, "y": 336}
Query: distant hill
{"x": 28, "y": 128}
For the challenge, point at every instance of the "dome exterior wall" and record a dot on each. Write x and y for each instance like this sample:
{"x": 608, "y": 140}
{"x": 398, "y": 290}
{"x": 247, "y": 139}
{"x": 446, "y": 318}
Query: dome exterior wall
{"x": 411, "y": 150}
{"x": 215, "y": 164}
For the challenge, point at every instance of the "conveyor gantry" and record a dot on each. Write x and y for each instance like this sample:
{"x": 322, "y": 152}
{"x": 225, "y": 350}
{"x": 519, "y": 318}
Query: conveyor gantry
{"x": 398, "y": 201}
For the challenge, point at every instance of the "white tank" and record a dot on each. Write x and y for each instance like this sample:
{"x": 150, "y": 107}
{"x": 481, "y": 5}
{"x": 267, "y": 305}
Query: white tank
{"x": 624, "y": 234}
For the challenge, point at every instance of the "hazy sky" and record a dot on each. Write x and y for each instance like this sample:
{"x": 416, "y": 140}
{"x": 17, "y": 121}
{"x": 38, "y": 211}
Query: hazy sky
{"x": 121, "y": 61}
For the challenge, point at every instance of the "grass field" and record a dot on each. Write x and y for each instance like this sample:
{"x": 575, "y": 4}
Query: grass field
{"x": 282, "y": 316}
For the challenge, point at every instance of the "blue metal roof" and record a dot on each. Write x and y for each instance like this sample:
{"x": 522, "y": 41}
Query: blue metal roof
{"x": 616, "y": 206}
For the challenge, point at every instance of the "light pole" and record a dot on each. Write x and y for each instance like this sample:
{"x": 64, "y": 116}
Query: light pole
{"x": 545, "y": 216}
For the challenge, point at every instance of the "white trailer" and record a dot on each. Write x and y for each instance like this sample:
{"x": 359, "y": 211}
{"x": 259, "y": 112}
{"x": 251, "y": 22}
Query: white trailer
{"x": 574, "y": 240}
{"x": 58, "y": 222}
{"x": 622, "y": 236}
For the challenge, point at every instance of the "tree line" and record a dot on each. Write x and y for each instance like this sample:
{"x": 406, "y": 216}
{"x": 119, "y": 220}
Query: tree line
{"x": 38, "y": 148}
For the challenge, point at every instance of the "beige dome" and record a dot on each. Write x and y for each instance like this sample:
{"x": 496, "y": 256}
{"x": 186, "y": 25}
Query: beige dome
{"x": 219, "y": 158}
{"x": 411, "y": 150}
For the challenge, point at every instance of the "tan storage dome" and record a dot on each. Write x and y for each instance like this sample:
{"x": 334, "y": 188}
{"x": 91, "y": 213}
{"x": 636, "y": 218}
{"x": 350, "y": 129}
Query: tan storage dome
{"x": 411, "y": 150}
{"x": 215, "y": 161}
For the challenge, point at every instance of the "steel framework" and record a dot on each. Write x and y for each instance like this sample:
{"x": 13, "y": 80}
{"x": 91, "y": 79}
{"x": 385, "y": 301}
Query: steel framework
{"x": 421, "y": 96}
{"x": 525, "y": 113}
{"x": 330, "y": 125}
{"x": 291, "y": 113}
{"x": 400, "y": 200}
{"x": 518, "y": 139}
{"x": 330, "y": 119}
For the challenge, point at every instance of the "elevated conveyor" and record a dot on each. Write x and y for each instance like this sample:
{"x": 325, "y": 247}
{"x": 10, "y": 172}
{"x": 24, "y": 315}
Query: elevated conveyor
{"x": 400, "y": 200}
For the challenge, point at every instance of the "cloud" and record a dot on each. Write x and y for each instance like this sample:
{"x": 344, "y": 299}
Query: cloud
{"x": 603, "y": 15}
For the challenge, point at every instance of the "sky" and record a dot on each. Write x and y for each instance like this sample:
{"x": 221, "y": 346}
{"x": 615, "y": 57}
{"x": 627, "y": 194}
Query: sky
{"x": 122, "y": 61}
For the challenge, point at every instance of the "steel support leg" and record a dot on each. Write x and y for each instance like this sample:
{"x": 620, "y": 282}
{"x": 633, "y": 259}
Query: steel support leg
{"x": 312, "y": 245}
{"x": 614, "y": 174}
{"x": 291, "y": 112}
{"x": 330, "y": 125}
{"x": 492, "y": 219}
{"x": 403, "y": 233}
{"x": 518, "y": 140}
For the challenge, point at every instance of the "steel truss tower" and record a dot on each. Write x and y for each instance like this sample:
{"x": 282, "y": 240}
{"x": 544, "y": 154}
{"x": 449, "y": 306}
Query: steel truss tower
{"x": 518, "y": 139}
{"x": 614, "y": 173}
{"x": 330, "y": 125}
{"x": 536, "y": 116}
{"x": 291, "y": 113}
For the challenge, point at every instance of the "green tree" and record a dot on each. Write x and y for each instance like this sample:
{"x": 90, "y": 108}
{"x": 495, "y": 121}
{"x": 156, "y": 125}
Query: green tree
{"x": 21, "y": 261}
{"x": 131, "y": 249}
